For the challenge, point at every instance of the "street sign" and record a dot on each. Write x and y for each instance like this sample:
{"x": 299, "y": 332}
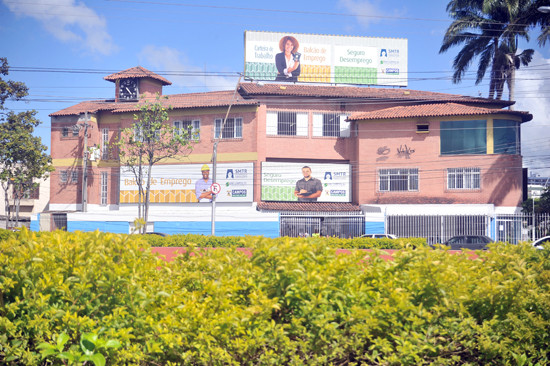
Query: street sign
{"x": 215, "y": 188}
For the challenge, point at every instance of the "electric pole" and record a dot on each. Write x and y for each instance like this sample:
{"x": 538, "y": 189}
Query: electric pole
{"x": 85, "y": 166}
{"x": 215, "y": 157}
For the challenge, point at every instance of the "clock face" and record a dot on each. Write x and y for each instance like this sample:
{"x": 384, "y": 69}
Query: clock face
{"x": 128, "y": 89}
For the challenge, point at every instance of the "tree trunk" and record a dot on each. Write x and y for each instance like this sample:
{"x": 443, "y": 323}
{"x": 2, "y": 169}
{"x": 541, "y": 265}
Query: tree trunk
{"x": 140, "y": 188}
{"x": 7, "y": 202}
{"x": 494, "y": 72}
{"x": 511, "y": 81}
{"x": 17, "y": 203}
{"x": 492, "y": 86}
{"x": 147, "y": 196}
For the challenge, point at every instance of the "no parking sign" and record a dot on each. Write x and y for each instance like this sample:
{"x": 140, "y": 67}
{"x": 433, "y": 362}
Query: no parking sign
{"x": 215, "y": 188}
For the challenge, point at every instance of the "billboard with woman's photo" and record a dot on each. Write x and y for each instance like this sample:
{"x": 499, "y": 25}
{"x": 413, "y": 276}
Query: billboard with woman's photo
{"x": 311, "y": 58}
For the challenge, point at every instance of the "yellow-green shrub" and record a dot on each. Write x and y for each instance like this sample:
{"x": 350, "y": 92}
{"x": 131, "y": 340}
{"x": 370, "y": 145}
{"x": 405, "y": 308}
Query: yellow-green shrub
{"x": 5, "y": 234}
{"x": 208, "y": 241}
{"x": 293, "y": 302}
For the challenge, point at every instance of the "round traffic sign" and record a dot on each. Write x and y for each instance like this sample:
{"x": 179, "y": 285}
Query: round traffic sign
{"x": 215, "y": 188}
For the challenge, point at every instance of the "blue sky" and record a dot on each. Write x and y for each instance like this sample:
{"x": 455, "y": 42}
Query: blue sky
{"x": 83, "y": 41}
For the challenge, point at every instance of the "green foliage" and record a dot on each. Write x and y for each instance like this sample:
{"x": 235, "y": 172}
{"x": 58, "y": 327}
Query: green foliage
{"x": 149, "y": 141}
{"x": 90, "y": 347}
{"x": 9, "y": 89}
{"x": 5, "y": 234}
{"x": 489, "y": 31}
{"x": 207, "y": 241}
{"x": 294, "y": 302}
{"x": 542, "y": 205}
{"x": 23, "y": 157}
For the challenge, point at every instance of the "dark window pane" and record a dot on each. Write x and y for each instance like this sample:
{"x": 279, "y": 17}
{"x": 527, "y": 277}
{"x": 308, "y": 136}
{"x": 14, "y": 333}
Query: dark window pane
{"x": 463, "y": 137}
{"x": 506, "y": 136}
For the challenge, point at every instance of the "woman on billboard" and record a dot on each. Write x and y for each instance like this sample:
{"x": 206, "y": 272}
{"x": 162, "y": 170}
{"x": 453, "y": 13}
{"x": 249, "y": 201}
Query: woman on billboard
{"x": 288, "y": 61}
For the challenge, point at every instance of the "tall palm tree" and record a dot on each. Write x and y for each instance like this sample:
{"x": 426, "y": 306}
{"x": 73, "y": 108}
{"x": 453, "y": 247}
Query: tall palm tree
{"x": 489, "y": 30}
{"x": 542, "y": 19}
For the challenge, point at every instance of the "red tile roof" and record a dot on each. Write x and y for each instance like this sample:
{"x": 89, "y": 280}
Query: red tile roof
{"x": 308, "y": 206}
{"x": 176, "y": 101}
{"x": 252, "y": 90}
{"x": 435, "y": 110}
{"x": 136, "y": 72}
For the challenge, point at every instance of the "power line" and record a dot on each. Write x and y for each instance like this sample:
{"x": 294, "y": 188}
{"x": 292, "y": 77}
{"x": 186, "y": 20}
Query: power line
{"x": 272, "y": 10}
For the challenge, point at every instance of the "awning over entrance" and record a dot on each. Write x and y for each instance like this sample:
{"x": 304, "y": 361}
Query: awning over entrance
{"x": 308, "y": 207}
{"x": 303, "y": 219}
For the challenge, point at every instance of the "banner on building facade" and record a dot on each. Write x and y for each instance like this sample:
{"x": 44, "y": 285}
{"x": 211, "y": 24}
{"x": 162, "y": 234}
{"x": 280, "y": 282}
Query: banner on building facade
{"x": 191, "y": 183}
{"x": 305, "y": 182}
{"x": 294, "y": 57}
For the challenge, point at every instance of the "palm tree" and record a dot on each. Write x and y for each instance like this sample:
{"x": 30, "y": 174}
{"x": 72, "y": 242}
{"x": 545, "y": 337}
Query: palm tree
{"x": 541, "y": 17}
{"x": 489, "y": 30}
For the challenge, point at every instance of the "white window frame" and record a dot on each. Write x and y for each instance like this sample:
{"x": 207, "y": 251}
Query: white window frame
{"x": 385, "y": 180}
{"x": 74, "y": 176}
{"x": 104, "y": 188}
{"x": 272, "y": 123}
{"x": 138, "y": 133}
{"x": 237, "y": 132}
{"x": 319, "y": 128}
{"x": 195, "y": 128}
{"x": 63, "y": 176}
{"x": 464, "y": 179}
{"x": 105, "y": 143}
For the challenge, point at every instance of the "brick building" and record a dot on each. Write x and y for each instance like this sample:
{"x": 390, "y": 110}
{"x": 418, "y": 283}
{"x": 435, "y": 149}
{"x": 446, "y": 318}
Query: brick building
{"x": 396, "y": 152}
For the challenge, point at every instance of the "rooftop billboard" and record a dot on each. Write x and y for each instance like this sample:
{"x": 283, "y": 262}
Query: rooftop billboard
{"x": 311, "y": 58}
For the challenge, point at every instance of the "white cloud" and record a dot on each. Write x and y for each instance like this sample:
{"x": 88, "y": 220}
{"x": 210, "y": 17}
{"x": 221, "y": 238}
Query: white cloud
{"x": 366, "y": 11}
{"x": 69, "y": 22}
{"x": 532, "y": 94}
{"x": 170, "y": 59}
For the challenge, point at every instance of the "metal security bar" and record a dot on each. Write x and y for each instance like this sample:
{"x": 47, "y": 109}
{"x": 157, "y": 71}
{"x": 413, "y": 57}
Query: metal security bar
{"x": 303, "y": 225}
{"x": 437, "y": 228}
{"x": 521, "y": 227}
{"x": 286, "y": 123}
{"x": 393, "y": 180}
{"x": 59, "y": 221}
{"x": 104, "y": 188}
{"x": 463, "y": 178}
{"x": 331, "y": 124}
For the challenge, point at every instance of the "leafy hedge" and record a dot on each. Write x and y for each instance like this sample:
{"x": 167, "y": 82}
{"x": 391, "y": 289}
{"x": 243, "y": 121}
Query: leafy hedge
{"x": 294, "y": 302}
{"x": 202, "y": 241}
{"x": 5, "y": 234}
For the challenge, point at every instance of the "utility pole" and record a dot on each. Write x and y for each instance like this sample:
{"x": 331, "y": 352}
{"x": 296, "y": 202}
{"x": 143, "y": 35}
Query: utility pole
{"x": 85, "y": 166}
{"x": 215, "y": 158}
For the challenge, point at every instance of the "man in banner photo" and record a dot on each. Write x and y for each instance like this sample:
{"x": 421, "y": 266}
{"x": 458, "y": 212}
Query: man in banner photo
{"x": 202, "y": 186}
{"x": 308, "y": 189}
{"x": 288, "y": 61}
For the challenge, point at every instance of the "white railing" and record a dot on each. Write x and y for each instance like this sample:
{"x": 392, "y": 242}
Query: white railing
{"x": 439, "y": 228}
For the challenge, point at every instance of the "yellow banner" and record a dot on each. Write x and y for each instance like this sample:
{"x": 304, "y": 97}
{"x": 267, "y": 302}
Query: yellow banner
{"x": 161, "y": 196}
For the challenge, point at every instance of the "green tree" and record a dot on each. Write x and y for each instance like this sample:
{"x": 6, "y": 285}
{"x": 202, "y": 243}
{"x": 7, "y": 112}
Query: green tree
{"x": 23, "y": 157}
{"x": 542, "y": 205}
{"x": 9, "y": 89}
{"x": 23, "y": 160}
{"x": 539, "y": 18}
{"x": 147, "y": 142}
{"x": 490, "y": 31}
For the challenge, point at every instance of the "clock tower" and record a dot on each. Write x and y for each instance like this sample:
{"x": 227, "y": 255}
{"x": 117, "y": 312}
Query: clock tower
{"x": 128, "y": 89}
{"x": 135, "y": 82}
